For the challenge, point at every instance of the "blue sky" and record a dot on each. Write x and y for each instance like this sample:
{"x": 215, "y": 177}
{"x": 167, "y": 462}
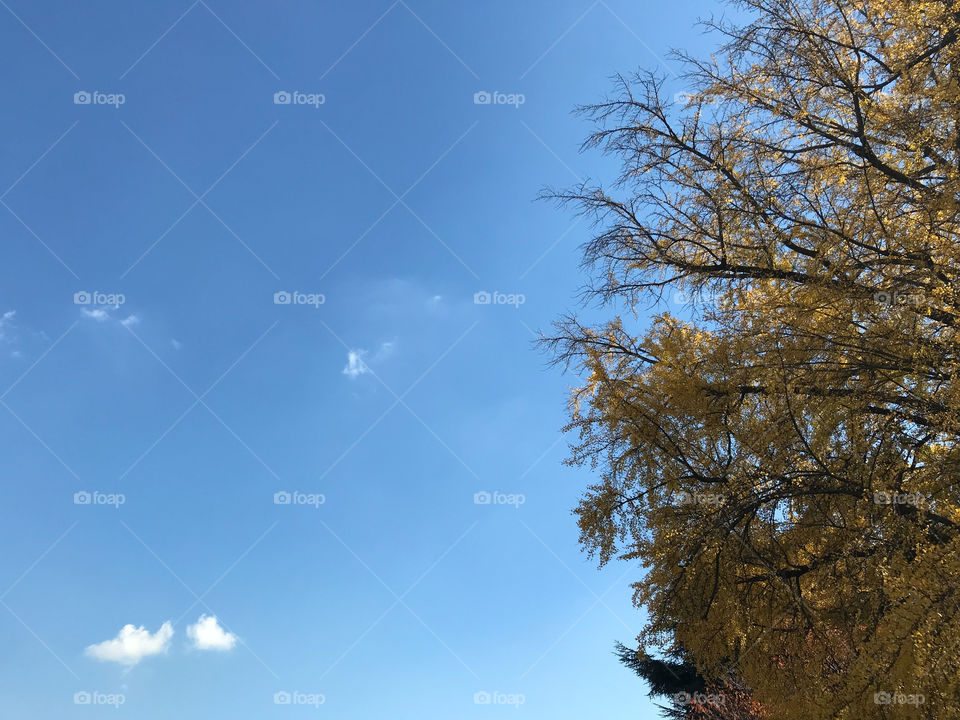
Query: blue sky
{"x": 178, "y": 194}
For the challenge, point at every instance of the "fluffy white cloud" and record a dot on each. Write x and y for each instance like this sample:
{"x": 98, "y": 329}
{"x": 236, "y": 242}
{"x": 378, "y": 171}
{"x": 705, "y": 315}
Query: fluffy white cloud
{"x": 130, "y": 321}
{"x": 355, "y": 365}
{"x": 132, "y": 644}
{"x": 356, "y": 360}
{"x": 207, "y": 634}
{"x": 97, "y": 314}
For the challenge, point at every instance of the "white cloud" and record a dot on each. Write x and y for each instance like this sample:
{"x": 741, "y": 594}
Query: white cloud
{"x": 385, "y": 351}
{"x": 207, "y": 634}
{"x": 176, "y": 343}
{"x": 108, "y": 314}
{"x": 355, "y": 365}
{"x": 97, "y": 314}
{"x": 132, "y": 644}
{"x": 6, "y": 325}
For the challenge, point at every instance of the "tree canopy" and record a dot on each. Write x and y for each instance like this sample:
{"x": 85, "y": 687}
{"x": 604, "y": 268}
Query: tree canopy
{"x": 785, "y": 460}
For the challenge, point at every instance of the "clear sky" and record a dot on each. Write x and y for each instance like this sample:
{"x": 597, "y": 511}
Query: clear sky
{"x": 157, "y": 193}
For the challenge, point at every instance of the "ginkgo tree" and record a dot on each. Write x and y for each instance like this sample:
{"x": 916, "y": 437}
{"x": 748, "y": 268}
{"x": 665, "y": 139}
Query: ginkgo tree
{"x": 783, "y": 456}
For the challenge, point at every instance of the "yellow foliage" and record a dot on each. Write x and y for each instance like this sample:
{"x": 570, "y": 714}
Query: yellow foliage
{"x": 786, "y": 463}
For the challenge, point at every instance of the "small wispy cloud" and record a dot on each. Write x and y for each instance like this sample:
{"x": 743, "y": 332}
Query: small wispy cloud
{"x": 207, "y": 634}
{"x": 6, "y": 325}
{"x": 385, "y": 351}
{"x": 98, "y": 314}
{"x": 357, "y": 359}
{"x": 109, "y": 313}
{"x": 16, "y": 340}
{"x": 132, "y": 644}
